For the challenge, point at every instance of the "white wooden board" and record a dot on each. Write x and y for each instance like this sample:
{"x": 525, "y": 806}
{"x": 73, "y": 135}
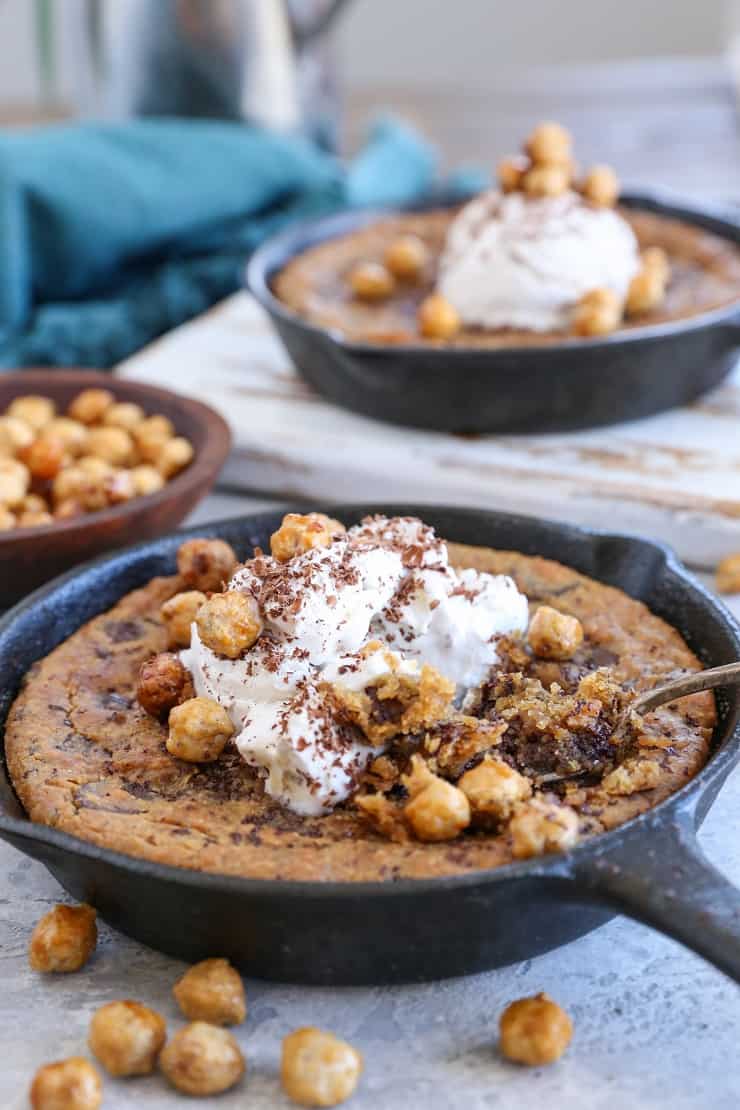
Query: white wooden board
{"x": 674, "y": 477}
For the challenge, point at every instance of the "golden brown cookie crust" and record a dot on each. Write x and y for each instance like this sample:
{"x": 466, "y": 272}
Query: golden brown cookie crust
{"x": 85, "y": 758}
{"x": 705, "y": 273}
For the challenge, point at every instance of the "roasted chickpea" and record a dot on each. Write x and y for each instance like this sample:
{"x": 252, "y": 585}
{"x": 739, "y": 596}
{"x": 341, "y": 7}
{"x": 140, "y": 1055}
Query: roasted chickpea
{"x": 534, "y": 1031}
{"x": 554, "y": 635}
{"x": 162, "y": 680}
{"x": 126, "y": 1037}
{"x": 76, "y": 485}
{"x": 655, "y": 258}
{"x": 371, "y": 281}
{"x": 34, "y": 518}
{"x": 511, "y": 173}
{"x": 90, "y": 405}
{"x": 229, "y": 623}
{"x": 175, "y": 455}
{"x": 45, "y": 457}
{"x": 34, "y": 411}
{"x": 64, "y": 939}
{"x": 199, "y": 730}
{"x": 539, "y": 827}
{"x": 317, "y": 1069}
{"x": 407, "y": 257}
{"x": 550, "y": 144}
{"x": 212, "y": 991}
{"x": 15, "y": 434}
{"x": 14, "y": 481}
{"x": 600, "y": 187}
{"x": 119, "y": 487}
{"x": 493, "y": 788}
{"x": 146, "y": 479}
{"x": 298, "y": 534}
{"x": 728, "y": 575}
{"x": 151, "y": 435}
{"x": 95, "y": 467}
{"x": 437, "y": 318}
{"x": 439, "y": 812}
{"x": 206, "y": 564}
{"x": 33, "y": 503}
{"x": 72, "y": 433}
{"x": 71, "y": 1084}
{"x": 114, "y": 445}
{"x": 7, "y": 519}
{"x": 123, "y": 414}
{"x": 66, "y": 510}
{"x": 202, "y": 1059}
{"x": 546, "y": 181}
{"x": 597, "y": 313}
{"x": 646, "y": 291}
{"x": 178, "y": 615}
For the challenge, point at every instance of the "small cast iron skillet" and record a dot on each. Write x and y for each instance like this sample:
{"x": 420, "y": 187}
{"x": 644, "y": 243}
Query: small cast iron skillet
{"x": 341, "y": 933}
{"x": 576, "y": 383}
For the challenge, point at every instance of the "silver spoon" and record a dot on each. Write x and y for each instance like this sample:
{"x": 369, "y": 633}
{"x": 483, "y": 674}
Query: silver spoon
{"x": 728, "y": 675}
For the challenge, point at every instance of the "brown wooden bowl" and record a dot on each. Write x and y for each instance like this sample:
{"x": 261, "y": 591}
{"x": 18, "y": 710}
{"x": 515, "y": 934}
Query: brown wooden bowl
{"x": 31, "y": 556}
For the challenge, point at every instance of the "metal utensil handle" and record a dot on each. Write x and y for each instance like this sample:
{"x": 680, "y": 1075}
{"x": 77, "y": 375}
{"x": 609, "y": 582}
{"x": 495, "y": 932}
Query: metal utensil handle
{"x": 729, "y": 675}
{"x": 660, "y": 876}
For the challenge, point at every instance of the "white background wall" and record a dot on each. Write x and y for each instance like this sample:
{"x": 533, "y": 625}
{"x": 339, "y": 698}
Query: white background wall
{"x": 451, "y": 41}
{"x": 444, "y": 41}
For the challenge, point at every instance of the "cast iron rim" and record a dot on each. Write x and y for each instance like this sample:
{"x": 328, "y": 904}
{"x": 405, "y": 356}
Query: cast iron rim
{"x": 726, "y": 746}
{"x": 278, "y": 250}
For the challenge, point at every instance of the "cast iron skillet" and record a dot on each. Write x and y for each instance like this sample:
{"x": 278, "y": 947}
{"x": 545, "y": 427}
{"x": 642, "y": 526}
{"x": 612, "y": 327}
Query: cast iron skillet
{"x": 577, "y": 383}
{"x": 341, "y": 933}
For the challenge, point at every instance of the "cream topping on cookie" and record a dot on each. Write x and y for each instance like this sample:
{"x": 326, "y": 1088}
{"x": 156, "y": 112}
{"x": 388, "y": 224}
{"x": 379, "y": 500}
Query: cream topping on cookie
{"x": 516, "y": 261}
{"x": 387, "y": 580}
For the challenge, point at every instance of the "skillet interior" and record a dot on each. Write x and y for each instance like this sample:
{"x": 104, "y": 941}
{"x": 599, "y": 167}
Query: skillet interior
{"x": 386, "y": 929}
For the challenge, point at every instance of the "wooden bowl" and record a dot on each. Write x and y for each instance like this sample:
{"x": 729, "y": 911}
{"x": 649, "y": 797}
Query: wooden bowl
{"x": 31, "y": 556}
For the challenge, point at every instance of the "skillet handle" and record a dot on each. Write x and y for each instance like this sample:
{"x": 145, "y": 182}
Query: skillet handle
{"x": 659, "y": 875}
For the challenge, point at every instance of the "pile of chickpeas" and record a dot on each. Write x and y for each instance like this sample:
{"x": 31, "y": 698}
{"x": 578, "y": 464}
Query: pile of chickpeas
{"x": 545, "y": 168}
{"x": 203, "y": 1058}
{"x": 100, "y": 452}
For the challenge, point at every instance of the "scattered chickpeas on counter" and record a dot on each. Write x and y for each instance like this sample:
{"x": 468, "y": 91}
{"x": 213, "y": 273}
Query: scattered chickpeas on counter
{"x": 202, "y": 1059}
{"x": 212, "y": 991}
{"x": 318, "y": 1069}
{"x": 534, "y": 1031}
{"x": 126, "y": 1037}
{"x": 102, "y": 452}
{"x": 64, "y": 939}
{"x": 72, "y": 1084}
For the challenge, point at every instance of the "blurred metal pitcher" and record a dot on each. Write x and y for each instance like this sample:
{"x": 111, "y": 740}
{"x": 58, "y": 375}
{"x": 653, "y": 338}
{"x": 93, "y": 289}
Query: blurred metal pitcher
{"x": 264, "y": 60}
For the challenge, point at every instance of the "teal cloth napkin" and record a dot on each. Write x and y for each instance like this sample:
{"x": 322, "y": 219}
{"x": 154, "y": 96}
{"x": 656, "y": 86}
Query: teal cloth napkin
{"x": 113, "y": 234}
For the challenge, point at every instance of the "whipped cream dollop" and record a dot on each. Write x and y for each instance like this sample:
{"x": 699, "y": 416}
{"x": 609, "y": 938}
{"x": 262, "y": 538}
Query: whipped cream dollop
{"x": 514, "y": 261}
{"x": 387, "y": 579}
